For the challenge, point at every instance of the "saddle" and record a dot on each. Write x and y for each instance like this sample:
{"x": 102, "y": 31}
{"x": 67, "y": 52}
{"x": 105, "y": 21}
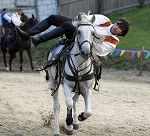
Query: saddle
{"x": 59, "y": 52}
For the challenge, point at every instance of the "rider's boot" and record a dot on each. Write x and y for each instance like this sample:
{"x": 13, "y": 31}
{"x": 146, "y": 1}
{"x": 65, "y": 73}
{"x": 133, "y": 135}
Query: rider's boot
{"x": 59, "y": 31}
{"x": 40, "y": 27}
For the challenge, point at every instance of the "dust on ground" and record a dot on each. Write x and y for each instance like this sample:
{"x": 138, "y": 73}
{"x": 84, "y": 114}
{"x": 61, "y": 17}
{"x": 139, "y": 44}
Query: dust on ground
{"x": 120, "y": 108}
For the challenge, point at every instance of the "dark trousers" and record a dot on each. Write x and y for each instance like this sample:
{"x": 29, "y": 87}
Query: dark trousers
{"x": 64, "y": 22}
{"x": 57, "y": 20}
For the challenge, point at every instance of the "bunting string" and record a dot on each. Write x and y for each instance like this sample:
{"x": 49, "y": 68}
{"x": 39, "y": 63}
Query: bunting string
{"x": 131, "y": 53}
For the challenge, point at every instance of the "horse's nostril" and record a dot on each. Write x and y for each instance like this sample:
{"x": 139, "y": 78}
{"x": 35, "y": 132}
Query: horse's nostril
{"x": 82, "y": 52}
{"x": 87, "y": 55}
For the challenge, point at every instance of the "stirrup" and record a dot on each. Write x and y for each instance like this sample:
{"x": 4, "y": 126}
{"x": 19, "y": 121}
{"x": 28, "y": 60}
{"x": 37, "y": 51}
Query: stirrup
{"x": 62, "y": 41}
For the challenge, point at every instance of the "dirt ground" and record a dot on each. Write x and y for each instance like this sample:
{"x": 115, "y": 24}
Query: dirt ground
{"x": 120, "y": 108}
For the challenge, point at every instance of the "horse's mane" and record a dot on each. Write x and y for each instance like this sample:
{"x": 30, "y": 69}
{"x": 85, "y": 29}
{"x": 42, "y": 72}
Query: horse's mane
{"x": 85, "y": 18}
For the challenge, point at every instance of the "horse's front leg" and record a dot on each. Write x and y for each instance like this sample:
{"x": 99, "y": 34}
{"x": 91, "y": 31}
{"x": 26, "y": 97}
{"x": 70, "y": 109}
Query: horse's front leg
{"x": 30, "y": 58}
{"x": 12, "y": 56}
{"x": 69, "y": 104}
{"x": 5, "y": 61}
{"x": 56, "y": 107}
{"x": 21, "y": 60}
{"x": 75, "y": 116}
{"x": 87, "y": 113}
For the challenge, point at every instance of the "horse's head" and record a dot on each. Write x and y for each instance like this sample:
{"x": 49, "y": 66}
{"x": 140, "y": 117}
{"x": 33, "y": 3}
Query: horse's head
{"x": 29, "y": 22}
{"x": 84, "y": 34}
{"x": 32, "y": 21}
{"x": 23, "y": 17}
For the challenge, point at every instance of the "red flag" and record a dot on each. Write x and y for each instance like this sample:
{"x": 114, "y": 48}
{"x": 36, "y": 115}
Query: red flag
{"x": 127, "y": 54}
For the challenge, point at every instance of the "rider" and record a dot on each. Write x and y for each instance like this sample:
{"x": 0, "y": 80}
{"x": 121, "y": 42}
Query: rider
{"x": 106, "y": 31}
{"x": 11, "y": 35}
{"x": 16, "y": 17}
{"x": 6, "y": 20}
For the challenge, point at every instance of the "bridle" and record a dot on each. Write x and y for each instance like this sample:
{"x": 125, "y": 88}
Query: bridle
{"x": 80, "y": 44}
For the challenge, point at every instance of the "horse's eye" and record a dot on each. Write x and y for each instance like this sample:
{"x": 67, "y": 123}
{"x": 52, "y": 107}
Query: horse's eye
{"x": 93, "y": 32}
{"x": 79, "y": 32}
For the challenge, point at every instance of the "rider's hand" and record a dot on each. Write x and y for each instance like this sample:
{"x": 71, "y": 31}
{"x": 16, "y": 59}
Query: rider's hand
{"x": 22, "y": 24}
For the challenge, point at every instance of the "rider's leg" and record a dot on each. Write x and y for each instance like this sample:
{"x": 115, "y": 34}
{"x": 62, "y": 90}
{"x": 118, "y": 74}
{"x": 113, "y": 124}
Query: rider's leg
{"x": 55, "y": 20}
{"x": 66, "y": 28}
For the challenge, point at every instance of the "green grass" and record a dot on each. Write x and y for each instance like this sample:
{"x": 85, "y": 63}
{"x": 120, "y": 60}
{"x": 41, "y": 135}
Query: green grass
{"x": 138, "y": 35}
{"x": 137, "y": 38}
{"x": 40, "y": 52}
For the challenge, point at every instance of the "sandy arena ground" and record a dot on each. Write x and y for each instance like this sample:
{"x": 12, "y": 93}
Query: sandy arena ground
{"x": 120, "y": 108}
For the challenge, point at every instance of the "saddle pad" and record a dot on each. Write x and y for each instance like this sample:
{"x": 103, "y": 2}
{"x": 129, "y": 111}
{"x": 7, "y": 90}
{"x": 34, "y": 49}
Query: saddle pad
{"x": 56, "y": 50}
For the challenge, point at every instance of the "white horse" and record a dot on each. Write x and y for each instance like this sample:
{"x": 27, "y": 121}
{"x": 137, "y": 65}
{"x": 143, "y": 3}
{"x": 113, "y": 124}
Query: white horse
{"x": 78, "y": 75}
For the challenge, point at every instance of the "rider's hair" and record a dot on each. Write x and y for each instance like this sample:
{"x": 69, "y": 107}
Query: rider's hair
{"x": 4, "y": 9}
{"x": 20, "y": 9}
{"x": 124, "y": 26}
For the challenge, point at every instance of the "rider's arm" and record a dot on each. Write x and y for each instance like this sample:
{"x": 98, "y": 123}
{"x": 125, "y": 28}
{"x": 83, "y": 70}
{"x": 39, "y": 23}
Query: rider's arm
{"x": 101, "y": 20}
{"x": 8, "y": 18}
{"x": 105, "y": 45}
{"x": 104, "y": 48}
{"x": 16, "y": 19}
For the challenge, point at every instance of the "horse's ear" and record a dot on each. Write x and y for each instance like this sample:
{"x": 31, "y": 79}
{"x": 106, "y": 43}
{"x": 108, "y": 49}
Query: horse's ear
{"x": 33, "y": 16}
{"x": 79, "y": 17}
{"x": 89, "y": 13}
{"x": 93, "y": 19}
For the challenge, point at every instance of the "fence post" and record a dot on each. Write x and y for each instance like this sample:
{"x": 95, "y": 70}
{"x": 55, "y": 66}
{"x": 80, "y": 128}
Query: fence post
{"x": 101, "y": 5}
{"x": 141, "y": 3}
{"x": 141, "y": 61}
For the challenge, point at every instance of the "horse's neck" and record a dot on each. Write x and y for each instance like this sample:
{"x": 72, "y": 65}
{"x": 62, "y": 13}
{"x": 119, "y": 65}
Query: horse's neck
{"x": 26, "y": 26}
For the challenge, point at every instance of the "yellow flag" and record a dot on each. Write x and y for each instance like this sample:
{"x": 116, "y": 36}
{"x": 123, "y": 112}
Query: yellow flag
{"x": 122, "y": 52}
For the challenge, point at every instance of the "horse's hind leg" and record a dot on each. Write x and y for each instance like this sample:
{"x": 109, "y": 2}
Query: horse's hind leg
{"x": 5, "y": 61}
{"x": 56, "y": 107}
{"x": 30, "y": 58}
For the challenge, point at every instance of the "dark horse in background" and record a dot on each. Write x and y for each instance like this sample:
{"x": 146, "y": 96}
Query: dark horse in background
{"x": 11, "y": 43}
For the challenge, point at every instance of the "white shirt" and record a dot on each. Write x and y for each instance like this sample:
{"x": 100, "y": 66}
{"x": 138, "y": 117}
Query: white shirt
{"x": 16, "y": 19}
{"x": 101, "y": 45}
{"x": 8, "y": 18}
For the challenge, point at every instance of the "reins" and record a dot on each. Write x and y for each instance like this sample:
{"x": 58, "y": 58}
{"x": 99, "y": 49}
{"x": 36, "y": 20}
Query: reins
{"x": 76, "y": 77}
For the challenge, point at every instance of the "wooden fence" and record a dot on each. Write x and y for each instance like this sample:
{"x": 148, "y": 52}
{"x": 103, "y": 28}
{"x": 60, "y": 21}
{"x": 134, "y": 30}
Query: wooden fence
{"x": 71, "y": 8}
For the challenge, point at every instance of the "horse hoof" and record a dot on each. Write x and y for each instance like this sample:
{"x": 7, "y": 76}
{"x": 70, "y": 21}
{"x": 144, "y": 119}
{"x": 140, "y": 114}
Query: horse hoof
{"x": 81, "y": 117}
{"x": 75, "y": 126}
{"x": 56, "y": 135}
{"x": 32, "y": 68}
{"x": 68, "y": 132}
{"x": 7, "y": 68}
{"x": 21, "y": 70}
